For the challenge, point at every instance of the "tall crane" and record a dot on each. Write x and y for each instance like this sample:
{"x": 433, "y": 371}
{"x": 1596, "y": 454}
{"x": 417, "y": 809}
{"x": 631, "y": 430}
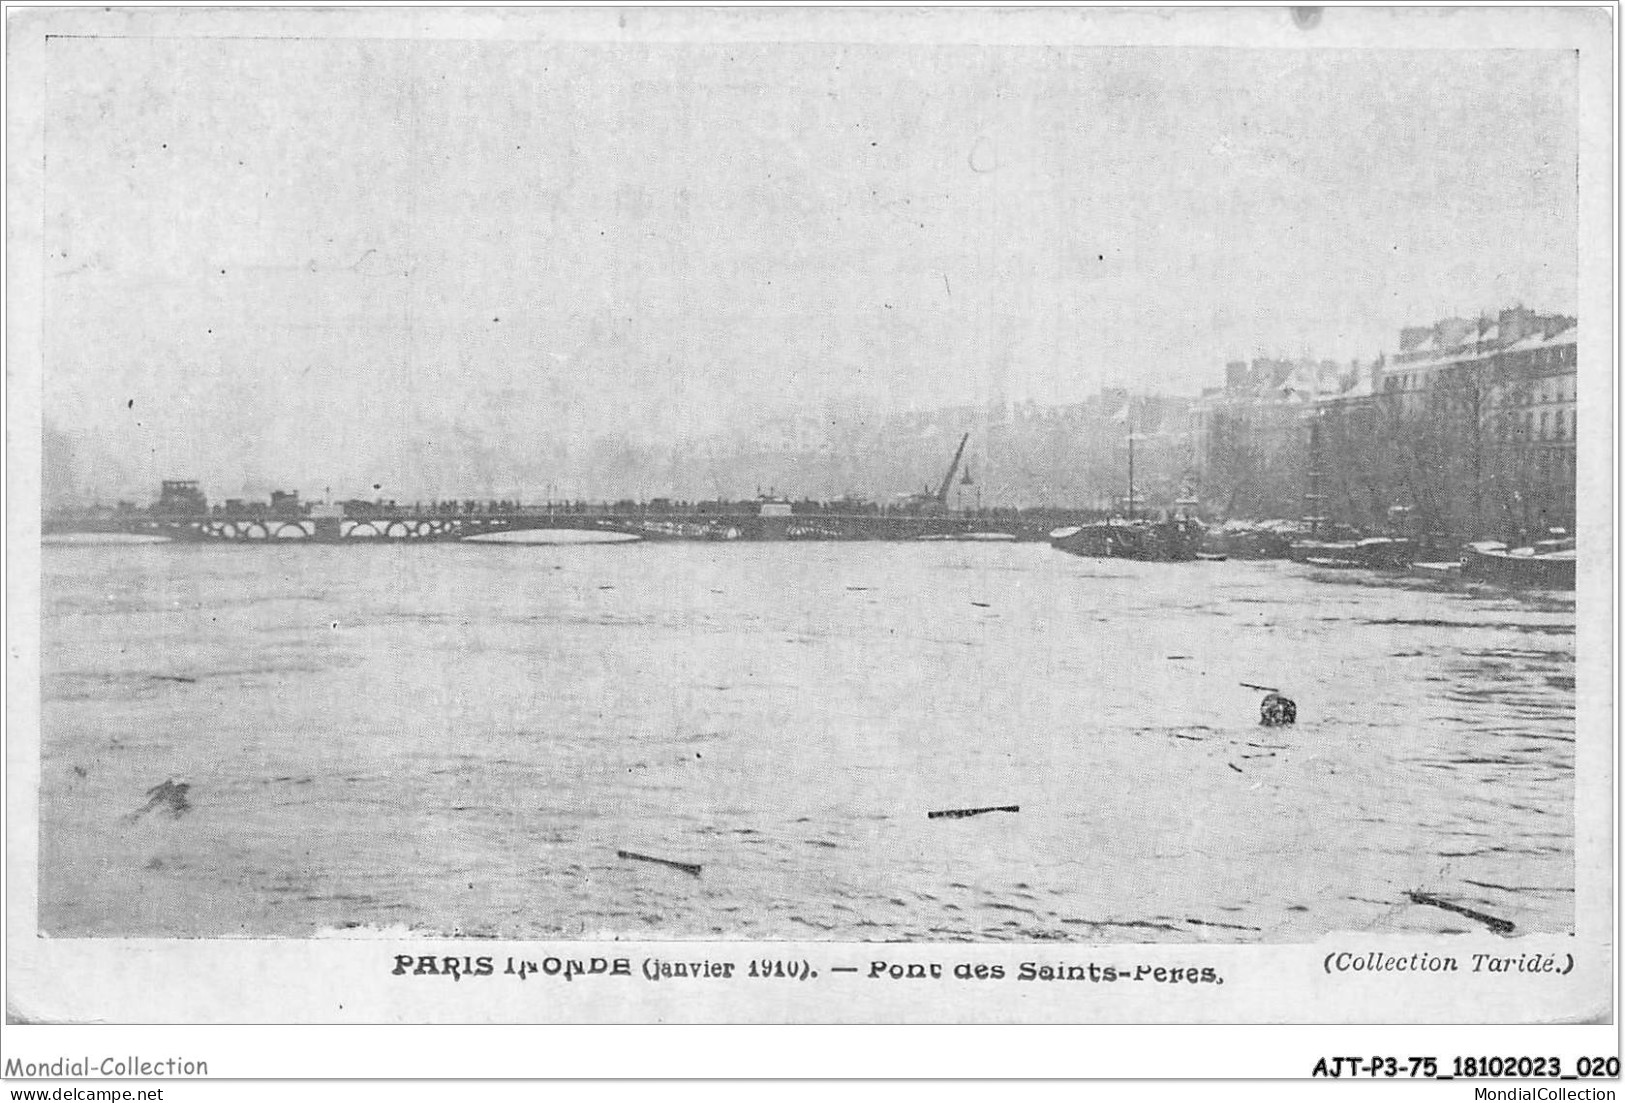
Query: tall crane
{"x": 931, "y": 501}
{"x": 947, "y": 480}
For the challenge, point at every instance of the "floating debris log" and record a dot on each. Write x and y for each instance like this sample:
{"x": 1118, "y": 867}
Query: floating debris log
{"x": 961, "y": 813}
{"x": 183, "y": 678}
{"x": 1261, "y": 689}
{"x": 170, "y": 796}
{"x": 1226, "y": 926}
{"x": 1499, "y": 926}
{"x": 1278, "y": 711}
{"x": 686, "y": 867}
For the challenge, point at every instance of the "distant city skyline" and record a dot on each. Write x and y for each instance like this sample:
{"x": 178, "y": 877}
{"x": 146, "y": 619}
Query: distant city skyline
{"x": 434, "y": 264}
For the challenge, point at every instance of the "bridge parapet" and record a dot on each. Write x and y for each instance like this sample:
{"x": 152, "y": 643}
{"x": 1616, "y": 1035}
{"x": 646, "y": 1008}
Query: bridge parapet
{"x": 678, "y": 521}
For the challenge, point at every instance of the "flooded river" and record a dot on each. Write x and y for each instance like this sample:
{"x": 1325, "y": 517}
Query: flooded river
{"x": 461, "y": 738}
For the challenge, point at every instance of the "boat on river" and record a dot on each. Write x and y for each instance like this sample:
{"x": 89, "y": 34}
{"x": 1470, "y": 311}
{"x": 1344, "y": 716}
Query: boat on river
{"x": 1176, "y": 539}
{"x": 1547, "y": 565}
{"x": 1249, "y": 540}
{"x": 1377, "y": 553}
{"x": 1173, "y": 541}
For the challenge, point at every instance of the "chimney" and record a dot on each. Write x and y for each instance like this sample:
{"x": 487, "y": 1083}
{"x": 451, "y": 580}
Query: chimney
{"x": 1555, "y": 324}
{"x": 1412, "y": 336}
{"x": 1455, "y": 332}
{"x": 1516, "y": 324}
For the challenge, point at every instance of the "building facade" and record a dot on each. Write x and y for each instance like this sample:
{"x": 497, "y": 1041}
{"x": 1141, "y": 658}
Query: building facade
{"x": 1468, "y": 432}
{"x": 1249, "y": 451}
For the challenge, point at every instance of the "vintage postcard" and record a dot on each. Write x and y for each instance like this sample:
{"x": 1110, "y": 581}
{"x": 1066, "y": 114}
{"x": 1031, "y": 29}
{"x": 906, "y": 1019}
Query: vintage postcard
{"x": 812, "y": 516}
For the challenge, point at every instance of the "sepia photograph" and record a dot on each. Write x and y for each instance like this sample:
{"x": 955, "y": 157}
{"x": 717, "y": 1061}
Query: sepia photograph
{"x": 866, "y": 494}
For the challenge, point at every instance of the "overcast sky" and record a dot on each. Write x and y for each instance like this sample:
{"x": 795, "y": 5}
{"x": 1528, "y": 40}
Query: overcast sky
{"x": 309, "y": 262}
